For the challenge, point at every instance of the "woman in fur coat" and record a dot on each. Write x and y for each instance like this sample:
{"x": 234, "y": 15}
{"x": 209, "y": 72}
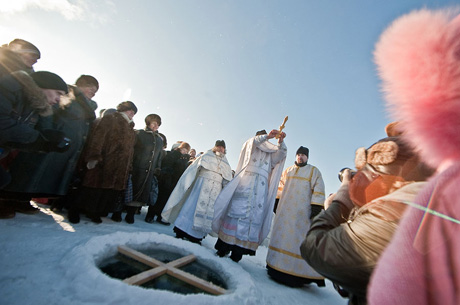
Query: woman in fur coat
{"x": 418, "y": 59}
{"x": 108, "y": 157}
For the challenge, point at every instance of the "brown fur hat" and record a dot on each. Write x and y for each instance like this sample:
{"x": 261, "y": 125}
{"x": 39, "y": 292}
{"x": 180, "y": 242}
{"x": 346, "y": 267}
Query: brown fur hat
{"x": 184, "y": 145}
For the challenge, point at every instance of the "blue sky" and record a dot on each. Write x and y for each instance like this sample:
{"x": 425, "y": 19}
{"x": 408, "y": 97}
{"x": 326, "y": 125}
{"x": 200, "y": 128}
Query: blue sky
{"x": 225, "y": 69}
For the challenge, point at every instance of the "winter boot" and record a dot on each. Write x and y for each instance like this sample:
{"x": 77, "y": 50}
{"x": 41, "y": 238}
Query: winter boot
{"x": 150, "y": 215}
{"x": 6, "y": 211}
{"x": 116, "y": 216}
{"x": 130, "y": 211}
{"x": 25, "y": 207}
{"x": 236, "y": 257}
{"x": 73, "y": 215}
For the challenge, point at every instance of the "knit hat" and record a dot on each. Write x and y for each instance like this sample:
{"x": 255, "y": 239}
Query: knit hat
{"x": 220, "y": 143}
{"x": 23, "y": 46}
{"x": 48, "y": 80}
{"x": 303, "y": 150}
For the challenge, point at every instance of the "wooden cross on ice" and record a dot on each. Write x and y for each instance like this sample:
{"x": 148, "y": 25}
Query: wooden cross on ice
{"x": 171, "y": 268}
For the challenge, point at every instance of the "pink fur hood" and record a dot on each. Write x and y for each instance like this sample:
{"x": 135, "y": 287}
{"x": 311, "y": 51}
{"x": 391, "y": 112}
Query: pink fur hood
{"x": 418, "y": 60}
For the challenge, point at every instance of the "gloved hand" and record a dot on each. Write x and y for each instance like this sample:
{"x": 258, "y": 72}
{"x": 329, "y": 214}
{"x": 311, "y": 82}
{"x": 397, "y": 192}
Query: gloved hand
{"x": 52, "y": 140}
{"x": 47, "y": 140}
{"x": 157, "y": 172}
{"x": 91, "y": 164}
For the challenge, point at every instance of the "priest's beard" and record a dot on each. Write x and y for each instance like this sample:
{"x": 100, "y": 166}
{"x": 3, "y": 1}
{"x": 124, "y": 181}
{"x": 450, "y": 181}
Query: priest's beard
{"x": 300, "y": 164}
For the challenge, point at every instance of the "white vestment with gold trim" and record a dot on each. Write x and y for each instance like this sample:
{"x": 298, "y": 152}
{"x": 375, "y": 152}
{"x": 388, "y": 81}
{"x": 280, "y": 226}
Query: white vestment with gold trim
{"x": 299, "y": 188}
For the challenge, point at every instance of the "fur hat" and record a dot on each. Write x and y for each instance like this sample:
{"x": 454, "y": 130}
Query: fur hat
{"x": 184, "y": 145}
{"x": 87, "y": 80}
{"x": 48, "y": 80}
{"x": 418, "y": 59}
{"x": 125, "y": 106}
{"x": 23, "y": 46}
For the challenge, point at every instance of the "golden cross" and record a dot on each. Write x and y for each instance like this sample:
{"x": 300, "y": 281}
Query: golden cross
{"x": 282, "y": 127}
{"x": 171, "y": 268}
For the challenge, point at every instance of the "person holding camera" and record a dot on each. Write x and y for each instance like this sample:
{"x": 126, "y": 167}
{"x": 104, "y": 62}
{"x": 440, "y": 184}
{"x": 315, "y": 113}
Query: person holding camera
{"x": 346, "y": 240}
{"x": 301, "y": 193}
{"x": 26, "y": 103}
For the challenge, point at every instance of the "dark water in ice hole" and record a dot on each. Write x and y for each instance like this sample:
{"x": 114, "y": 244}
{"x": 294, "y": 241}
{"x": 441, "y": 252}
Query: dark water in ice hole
{"x": 122, "y": 267}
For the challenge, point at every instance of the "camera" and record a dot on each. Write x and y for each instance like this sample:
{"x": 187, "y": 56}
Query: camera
{"x": 352, "y": 173}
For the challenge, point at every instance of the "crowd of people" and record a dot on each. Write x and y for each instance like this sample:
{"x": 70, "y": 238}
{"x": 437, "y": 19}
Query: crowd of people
{"x": 388, "y": 232}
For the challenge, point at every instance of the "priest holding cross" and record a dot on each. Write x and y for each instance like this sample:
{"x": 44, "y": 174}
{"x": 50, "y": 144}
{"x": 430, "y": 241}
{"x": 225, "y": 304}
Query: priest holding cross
{"x": 243, "y": 210}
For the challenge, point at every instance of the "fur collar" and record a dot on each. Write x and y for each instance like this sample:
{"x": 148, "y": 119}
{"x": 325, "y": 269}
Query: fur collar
{"x": 34, "y": 95}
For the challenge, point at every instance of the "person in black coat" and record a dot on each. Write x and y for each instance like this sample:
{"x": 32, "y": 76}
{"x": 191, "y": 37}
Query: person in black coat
{"x": 25, "y": 106}
{"x": 172, "y": 167}
{"x": 148, "y": 150}
{"x": 50, "y": 175}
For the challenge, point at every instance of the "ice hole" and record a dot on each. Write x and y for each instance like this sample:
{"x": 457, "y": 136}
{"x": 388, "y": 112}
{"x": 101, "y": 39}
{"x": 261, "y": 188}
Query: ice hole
{"x": 122, "y": 267}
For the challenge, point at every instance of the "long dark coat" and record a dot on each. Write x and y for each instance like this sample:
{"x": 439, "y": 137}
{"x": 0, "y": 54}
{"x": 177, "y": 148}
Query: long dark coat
{"x": 173, "y": 166}
{"x": 52, "y": 173}
{"x": 112, "y": 144}
{"x": 22, "y": 104}
{"x": 147, "y": 159}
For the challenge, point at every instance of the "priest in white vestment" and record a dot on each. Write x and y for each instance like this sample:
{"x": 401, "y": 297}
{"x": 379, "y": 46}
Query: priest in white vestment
{"x": 191, "y": 204}
{"x": 244, "y": 209}
{"x": 301, "y": 194}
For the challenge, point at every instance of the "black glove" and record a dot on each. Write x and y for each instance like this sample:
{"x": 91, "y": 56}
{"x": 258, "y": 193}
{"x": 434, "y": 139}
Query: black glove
{"x": 315, "y": 210}
{"x": 157, "y": 172}
{"x": 52, "y": 140}
{"x": 275, "y": 207}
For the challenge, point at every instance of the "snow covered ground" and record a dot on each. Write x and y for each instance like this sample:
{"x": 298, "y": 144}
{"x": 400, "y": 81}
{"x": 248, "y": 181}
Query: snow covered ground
{"x": 47, "y": 260}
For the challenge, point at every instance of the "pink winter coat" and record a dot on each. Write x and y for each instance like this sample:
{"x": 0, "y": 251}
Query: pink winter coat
{"x": 422, "y": 264}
